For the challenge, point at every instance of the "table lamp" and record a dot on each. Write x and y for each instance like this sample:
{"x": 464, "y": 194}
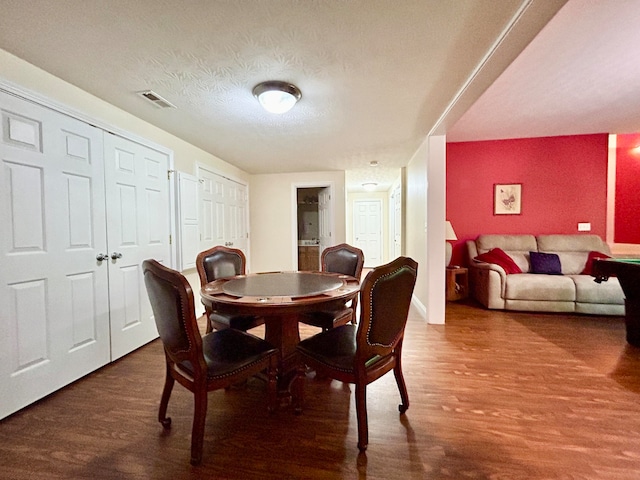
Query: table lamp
{"x": 449, "y": 235}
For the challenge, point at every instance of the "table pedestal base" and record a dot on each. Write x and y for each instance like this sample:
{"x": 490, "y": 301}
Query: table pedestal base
{"x": 282, "y": 331}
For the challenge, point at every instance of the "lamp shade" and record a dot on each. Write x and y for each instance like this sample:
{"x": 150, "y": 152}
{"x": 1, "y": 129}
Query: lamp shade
{"x": 277, "y": 97}
{"x": 449, "y": 233}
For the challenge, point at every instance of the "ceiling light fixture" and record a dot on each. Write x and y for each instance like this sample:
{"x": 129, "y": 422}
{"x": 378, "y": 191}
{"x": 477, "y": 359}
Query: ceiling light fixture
{"x": 369, "y": 186}
{"x": 373, "y": 163}
{"x": 276, "y": 96}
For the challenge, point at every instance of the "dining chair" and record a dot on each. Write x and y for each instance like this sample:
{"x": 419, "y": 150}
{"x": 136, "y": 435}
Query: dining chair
{"x": 360, "y": 354}
{"x": 201, "y": 363}
{"x": 221, "y": 262}
{"x": 346, "y": 260}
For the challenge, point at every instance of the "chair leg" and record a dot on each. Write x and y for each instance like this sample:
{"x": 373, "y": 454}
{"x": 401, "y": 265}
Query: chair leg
{"x": 164, "y": 400}
{"x": 209, "y": 326}
{"x": 361, "y": 414}
{"x": 402, "y": 386}
{"x": 199, "y": 418}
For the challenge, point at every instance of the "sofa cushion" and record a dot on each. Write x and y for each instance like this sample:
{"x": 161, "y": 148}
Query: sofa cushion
{"x": 573, "y": 249}
{"x": 516, "y": 246}
{"x": 548, "y": 263}
{"x": 592, "y": 256}
{"x": 530, "y": 286}
{"x": 589, "y": 291}
{"x": 499, "y": 257}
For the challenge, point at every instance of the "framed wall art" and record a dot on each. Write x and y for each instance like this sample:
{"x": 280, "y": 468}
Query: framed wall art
{"x": 507, "y": 199}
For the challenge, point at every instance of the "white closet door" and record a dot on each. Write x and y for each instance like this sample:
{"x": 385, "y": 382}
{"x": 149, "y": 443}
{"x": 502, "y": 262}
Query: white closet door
{"x": 223, "y": 211}
{"x": 54, "y": 320}
{"x": 235, "y": 204}
{"x": 138, "y": 226}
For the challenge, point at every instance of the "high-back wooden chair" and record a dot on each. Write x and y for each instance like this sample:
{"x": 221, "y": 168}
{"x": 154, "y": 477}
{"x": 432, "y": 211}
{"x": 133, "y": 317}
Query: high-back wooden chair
{"x": 346, "y": 260}
{"x": 200, "y": 364}
{"x": 360, "y": 354}
{"x": 222, "y": 262}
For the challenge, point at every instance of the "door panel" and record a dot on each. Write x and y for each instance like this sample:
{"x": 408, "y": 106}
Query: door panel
{"x": 223, "y": 211}
{"x": 54, "y": 327}
{"x": 137, "y": 200}
{"x": 367, "y": 224}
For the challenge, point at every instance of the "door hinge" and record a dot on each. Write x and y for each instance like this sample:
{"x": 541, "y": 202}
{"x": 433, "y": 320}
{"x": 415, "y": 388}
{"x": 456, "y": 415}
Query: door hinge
{"x": 169, "y": 172}
{"x": 170, "y": 239}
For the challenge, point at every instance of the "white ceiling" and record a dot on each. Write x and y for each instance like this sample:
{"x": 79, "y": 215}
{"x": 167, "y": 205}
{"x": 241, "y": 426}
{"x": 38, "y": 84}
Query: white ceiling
{"x": 580, "y": 75}
{"x": 376, "y": 75}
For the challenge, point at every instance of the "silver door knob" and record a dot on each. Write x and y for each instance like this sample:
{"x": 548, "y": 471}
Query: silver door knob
{"x": 116, "y": 255}
{"x": 102, "y": 256}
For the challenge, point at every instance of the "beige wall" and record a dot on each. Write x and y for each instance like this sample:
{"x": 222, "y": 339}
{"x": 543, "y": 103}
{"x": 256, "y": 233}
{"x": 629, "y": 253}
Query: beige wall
{"x": 416, "y": 219}
{"x": 272, "y": 216}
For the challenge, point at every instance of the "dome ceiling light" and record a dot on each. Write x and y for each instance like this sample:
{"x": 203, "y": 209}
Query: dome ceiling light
{"x": 276, "y": 96}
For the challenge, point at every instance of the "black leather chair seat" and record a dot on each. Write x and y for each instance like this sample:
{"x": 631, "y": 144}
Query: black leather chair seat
{"x": 327, "y": 319}
{"x": 227, "y": 351}
{"x": 336, "y": 348}
{"x": 240, "y": 322}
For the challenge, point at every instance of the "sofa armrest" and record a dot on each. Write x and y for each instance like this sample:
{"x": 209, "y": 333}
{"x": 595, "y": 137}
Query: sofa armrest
{"x": 488, "y": 282}
{"x": 494, "y": 267}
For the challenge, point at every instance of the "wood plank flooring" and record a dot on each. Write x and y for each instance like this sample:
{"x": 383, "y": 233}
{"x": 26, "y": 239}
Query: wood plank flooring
{"x": 494, "y": 395}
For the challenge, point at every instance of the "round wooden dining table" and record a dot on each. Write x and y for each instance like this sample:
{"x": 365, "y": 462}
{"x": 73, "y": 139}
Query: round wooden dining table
{"x": 280, "y": 298}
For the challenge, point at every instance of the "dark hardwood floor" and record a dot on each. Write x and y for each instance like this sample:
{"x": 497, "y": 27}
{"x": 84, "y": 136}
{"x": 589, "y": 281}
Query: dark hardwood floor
{"x": 493, "y": 395}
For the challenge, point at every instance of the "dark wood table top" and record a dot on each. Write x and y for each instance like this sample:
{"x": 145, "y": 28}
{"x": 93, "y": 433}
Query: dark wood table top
{"x": 281, "y": 289}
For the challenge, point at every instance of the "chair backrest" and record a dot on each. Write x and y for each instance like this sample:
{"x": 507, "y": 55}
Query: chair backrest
{"x": 343, "y": 259}
{"x": 385, "y": 296}
{"x": 172, "y": 304}
{"x": 220, "y": 262}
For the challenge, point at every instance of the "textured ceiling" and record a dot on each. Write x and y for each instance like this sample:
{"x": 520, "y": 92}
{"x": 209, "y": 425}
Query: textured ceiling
{"x": 375, "y": 75}
{"x": 580, "y": 75}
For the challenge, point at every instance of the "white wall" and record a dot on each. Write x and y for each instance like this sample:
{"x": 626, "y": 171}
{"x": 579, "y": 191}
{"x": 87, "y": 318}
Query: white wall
{"x": 272, "y": 214}
{"x": 416, "y": 221}
{"x": 425, "y": 224}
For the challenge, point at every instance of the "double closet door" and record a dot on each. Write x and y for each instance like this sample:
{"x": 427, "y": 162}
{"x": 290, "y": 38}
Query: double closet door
{"x": 80, "y": 209}
{"x": 223, "y": 211}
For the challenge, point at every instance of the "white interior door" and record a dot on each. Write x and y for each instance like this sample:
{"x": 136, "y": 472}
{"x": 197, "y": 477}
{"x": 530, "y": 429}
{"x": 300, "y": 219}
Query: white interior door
{"x": 367, "y": 225}
{"x": 54, "y": 320}
{"x": 138, "y": 227}
{"x": 188, "y": 211}
{"x": 235, "y": 202}
{"x": 223, "y": 211}
{"x": 324, "y": 220}
{"x": 211, "y": 196}
{"x": 397, "y": 222}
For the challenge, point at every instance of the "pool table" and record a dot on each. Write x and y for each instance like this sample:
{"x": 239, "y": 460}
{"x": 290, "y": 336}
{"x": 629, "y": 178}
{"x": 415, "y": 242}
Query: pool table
{"x": 628, "y": 272}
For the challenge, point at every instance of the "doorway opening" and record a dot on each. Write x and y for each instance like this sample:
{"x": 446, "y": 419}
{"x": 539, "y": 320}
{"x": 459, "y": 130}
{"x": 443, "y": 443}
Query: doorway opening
{"x": 313, "y": 205}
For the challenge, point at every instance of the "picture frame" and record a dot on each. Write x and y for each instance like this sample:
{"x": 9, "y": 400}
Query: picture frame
{"x": 507, "y": 199}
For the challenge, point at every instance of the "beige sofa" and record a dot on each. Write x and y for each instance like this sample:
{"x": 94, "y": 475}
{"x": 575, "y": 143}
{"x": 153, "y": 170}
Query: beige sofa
{"x": 569, "y": 292}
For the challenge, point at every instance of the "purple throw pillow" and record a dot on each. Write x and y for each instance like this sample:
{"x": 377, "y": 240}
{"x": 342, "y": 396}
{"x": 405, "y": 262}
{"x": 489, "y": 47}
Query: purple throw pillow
{"x": 548, "y": 263}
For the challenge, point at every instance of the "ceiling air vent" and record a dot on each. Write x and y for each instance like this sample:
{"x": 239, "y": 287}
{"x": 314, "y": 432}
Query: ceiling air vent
{"x": 157, "y": 99}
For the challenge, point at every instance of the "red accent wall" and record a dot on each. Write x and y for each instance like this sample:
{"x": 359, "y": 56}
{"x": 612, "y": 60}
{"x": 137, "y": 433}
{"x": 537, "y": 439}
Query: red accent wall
{"x": 564, "y": 181}
{"x": 627, "y": 204}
